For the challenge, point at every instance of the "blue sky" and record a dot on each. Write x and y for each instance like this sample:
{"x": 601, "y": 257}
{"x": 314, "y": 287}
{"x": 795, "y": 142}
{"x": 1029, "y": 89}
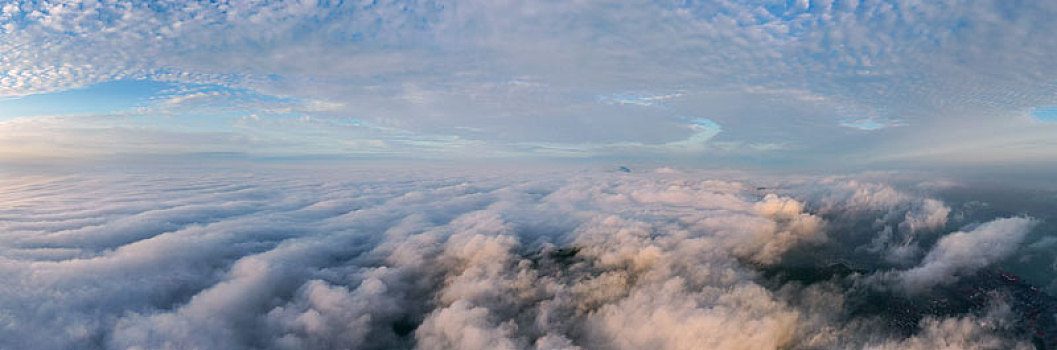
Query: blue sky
{"x": 819, "y": 83}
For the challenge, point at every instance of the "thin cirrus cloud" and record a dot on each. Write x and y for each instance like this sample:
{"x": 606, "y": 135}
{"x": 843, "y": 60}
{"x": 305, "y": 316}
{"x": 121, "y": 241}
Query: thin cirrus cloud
{"x": 869, "y": 124}
{"x": 475, "y": 78}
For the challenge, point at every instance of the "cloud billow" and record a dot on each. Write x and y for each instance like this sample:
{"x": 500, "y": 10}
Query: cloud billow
{"x": 373, "y": 260}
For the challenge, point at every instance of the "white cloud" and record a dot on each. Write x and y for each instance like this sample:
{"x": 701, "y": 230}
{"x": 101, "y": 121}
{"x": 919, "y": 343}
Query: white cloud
{"x": 869, "y": 124}
{"x": 528, "y": 76}
{"x": 961, "y": 253}
{"x": 397, "y": 258}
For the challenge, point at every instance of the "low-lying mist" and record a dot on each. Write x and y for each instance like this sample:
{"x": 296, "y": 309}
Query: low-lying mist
{"x": 537, "y": 260}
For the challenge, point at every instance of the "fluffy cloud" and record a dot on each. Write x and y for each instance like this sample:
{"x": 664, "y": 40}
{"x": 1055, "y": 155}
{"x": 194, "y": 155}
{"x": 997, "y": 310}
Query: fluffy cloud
{"x": 898, "y": 221}
{"x": 965, "y": 252}
{"x": 278, "y": 260}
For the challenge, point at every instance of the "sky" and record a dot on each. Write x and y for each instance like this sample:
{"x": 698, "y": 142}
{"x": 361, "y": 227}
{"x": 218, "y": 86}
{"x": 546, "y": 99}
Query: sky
{"x": 820, "y": 84}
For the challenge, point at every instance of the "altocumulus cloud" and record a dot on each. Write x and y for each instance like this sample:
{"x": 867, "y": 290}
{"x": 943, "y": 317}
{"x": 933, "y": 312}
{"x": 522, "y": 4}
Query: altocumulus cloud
{"x": 901, "y": 80}
{"x": 377, "y": 260}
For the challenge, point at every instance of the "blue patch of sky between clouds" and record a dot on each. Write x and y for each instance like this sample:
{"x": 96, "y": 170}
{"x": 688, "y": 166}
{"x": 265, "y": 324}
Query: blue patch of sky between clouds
{"x": 1045, "y": 113}
{"x": 706, "y": 124}
{"x": 128, "y": 95}
{"x": 627, "y": 99}
{"x": 99, "y": 98}
{"x": 868, "y": 124}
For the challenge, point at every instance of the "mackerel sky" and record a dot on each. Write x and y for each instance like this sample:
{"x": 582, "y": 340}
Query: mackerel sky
{"x": 766, "y": 83}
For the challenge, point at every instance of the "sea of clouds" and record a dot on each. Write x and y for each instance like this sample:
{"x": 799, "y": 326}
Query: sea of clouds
{"x": 509, "y": 260}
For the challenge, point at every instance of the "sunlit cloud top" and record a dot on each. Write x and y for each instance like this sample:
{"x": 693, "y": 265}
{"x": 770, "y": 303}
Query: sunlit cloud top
{"x": 814, "y": 82}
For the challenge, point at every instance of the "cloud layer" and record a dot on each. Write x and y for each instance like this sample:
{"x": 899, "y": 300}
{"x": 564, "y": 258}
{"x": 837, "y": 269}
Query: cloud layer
{"x": 892, "y": 81}
{"x": 391, "y": 259}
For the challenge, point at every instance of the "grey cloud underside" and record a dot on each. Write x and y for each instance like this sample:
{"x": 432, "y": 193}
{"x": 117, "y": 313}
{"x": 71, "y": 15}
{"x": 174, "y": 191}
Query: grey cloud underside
{"x": 382, "y": 260}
